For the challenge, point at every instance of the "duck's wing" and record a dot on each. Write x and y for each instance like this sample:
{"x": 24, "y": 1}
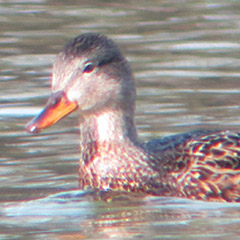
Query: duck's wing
{"x": 202, "y": 164}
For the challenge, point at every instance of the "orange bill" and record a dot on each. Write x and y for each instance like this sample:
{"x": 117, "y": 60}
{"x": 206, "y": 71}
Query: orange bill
{"x": 57, "y": 107}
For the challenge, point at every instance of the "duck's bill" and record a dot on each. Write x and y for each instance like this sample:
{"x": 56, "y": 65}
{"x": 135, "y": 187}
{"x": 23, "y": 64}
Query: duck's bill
{"x": 57, "y": 107}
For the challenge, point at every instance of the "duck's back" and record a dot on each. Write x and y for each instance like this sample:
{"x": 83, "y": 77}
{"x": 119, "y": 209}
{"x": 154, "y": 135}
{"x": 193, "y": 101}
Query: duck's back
{"x": 204, "y": 164}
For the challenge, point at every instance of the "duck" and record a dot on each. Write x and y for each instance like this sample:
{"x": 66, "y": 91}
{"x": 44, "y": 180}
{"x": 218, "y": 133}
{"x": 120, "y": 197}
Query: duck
{"x": 92, "y": 77}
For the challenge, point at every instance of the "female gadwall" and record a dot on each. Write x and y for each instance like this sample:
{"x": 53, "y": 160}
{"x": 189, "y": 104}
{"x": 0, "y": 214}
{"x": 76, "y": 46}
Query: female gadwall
{"x": 92, "y": 76}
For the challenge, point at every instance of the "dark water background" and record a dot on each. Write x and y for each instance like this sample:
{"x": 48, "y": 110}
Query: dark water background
{"x": 185, "y": 55}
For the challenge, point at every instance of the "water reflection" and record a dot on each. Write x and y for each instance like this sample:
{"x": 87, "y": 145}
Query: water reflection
{"x": 79, "y": 217}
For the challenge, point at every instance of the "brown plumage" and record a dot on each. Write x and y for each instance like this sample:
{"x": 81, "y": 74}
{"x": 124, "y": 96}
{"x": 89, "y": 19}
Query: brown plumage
{"x": 92, "y": 75}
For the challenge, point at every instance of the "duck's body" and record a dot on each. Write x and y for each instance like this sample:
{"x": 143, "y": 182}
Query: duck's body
{"x": 92, "y": 75}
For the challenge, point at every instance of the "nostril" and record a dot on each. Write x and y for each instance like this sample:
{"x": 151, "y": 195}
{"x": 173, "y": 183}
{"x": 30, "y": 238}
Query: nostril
{"x": 56, "y": 98}
{"x": 55, "y": 101}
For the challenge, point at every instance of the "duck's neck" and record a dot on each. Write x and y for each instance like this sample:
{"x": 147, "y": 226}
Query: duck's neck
{"x": 104, "y": 129}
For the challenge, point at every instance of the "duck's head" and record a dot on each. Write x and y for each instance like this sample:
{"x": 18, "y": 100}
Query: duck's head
{"x": 90, "y": 75}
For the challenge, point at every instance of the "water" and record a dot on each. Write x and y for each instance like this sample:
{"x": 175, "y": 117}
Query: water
{"x": 185, "y": 56}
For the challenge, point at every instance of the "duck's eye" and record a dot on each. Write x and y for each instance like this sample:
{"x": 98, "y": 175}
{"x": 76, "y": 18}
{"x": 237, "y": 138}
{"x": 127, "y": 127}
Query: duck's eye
{"x": 88, "y": 68}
